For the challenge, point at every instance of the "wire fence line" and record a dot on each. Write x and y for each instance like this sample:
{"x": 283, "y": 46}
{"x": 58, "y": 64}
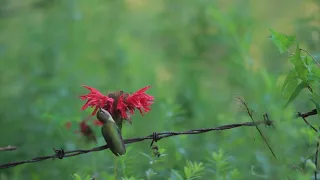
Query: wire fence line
{"x": 60, "y": 153}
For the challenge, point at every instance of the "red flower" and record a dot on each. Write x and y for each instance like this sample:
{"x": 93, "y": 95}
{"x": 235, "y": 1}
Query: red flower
{"x": 119, "y": 104}
{"x": 84, "y": 127}
{"x": 138, "y": 100}
{"x": 87, "y": 131}
{"x": 95, "y": 99}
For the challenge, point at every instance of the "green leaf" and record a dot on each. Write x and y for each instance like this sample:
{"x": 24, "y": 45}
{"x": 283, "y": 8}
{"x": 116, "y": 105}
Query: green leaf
{"x": 299, "y": 65}
{"x": 221, "y": 161}
{"x": 193, "y": 170}
{"x": 77, "y": 177}
{"x": 308, "y": 60}
{"x": 296, "y": 92}
{"x": 311, "y": 165}
{"x": 283, "y": 42}
{"x": 290, "y": 81}
{"x": 314, "y": 72}
{"x": 235, "y": 174}
{"x": 161, "y": 150}
{"x": 310, "y": 133}
{"x": 128, "y": 178}
{"x": 150, "y": 173}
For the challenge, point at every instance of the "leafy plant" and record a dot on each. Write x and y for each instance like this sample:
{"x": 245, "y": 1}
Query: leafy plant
{"x": 282, "y": 41}
{"x": 128, "y": 178}
{"x": 78, "y": 177}
{"x": 305, "y": 73}
{"x": 192, "y": 170}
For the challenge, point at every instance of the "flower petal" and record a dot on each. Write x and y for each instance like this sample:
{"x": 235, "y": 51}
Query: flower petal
{"x": 95, "y": 99}
{"x": 140, "y": 100}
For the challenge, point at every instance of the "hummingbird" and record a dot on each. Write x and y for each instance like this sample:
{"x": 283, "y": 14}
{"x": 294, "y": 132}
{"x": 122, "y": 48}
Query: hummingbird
{"x": 111, "y": 133}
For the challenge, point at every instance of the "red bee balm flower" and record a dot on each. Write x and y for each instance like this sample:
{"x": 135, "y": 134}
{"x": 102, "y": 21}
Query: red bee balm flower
{"x": 139, "y": 100}
{"x": 119, "y": 103}
{"x": 87, "y": 131}
{"x": 95, "y": 99}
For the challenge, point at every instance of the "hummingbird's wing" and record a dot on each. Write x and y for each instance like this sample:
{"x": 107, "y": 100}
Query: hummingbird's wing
{"x": 112, "y": 136}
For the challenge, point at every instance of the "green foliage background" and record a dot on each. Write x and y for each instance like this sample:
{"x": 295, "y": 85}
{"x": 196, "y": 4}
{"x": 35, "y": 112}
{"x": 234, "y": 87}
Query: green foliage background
{"x": 198, "y": 56}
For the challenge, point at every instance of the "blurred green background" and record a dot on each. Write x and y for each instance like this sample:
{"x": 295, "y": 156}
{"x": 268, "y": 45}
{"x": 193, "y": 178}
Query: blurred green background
{"x": 198, "y": 56}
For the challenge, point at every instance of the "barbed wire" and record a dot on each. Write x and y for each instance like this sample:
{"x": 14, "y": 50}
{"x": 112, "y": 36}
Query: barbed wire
{"x": 8, "y": 148}
{"x": 266, "y": 119}
{"x": 307, "y": 114}
{"x": 60, "y": 153}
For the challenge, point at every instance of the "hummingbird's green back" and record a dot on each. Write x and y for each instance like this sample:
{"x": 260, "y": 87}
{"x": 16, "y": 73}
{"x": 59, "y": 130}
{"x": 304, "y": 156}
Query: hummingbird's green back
{"x": 112, "y": 135}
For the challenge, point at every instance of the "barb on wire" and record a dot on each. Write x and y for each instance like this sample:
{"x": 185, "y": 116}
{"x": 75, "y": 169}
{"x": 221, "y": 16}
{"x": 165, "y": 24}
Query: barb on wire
{"x": 267, "y": 122}
{"x": 305, "y": 120}
{"x": 155, "y": 137}
{"x": 307, "y": 114}
{"x": 59, "y": 153}
{"x": 266, "y": 117}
